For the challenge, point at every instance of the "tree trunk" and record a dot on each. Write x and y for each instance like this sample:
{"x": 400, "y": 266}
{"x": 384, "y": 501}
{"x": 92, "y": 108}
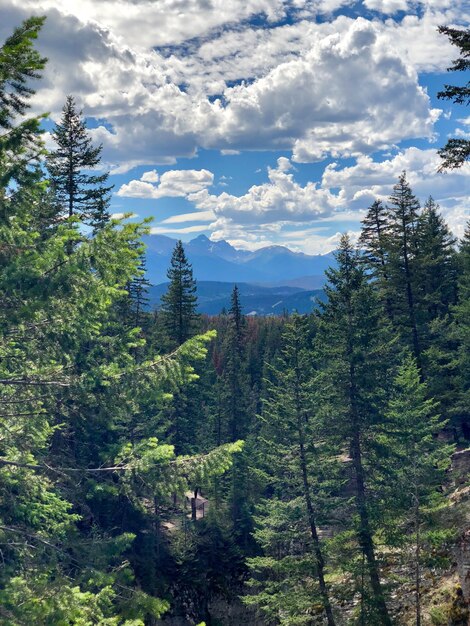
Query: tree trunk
{"x": 417, "y": 558}
{"x": 194, "y": 505}
{"x": 410, "y": 301}
{"x": 365, "y": 532}
{"x": 314, "y": 533}
{"x": 320, "y": 562}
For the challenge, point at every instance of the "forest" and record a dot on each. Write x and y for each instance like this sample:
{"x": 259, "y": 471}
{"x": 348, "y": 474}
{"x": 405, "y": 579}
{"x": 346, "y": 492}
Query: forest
{"x": 165, "y": 467}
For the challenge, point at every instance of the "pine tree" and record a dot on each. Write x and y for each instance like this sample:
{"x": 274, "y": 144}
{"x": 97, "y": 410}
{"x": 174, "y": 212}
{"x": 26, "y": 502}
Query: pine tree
{"x": 403, "y": 220}
{"x": 374, "y": 242}
{"x": 461, "y": 334}
{"x": 77, "y": 193}
{"x": 179, "y": 303}
{"x": 21, "y": 145}
{"x": 437, "y": 270}
{"x": 291, "y": 444}
{"x": 137, "y": 290}
{"x": 417, "y": 462}
{"x": 456, "y": 152}
{"x": 355, "y": 359}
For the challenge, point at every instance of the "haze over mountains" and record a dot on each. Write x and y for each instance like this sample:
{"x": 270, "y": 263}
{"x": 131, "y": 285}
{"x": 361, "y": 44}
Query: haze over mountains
{"x": 219, "y": 261}
{"x": 271, "y": 280}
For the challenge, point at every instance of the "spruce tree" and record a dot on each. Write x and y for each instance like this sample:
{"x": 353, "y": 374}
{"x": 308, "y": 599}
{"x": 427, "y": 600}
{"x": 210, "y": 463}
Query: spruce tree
{"x": 461, "y": 335}
{"x": 374, "y": 244}
{"x": 356, "y": 356}
{"x": 456, "y": 152}
{"x": 291, "y": 443}
{"x": 235, "y": 374}
{"x": 179, "y": 303}
{"x": 77, "y": 192}
{"x": 403, "y": 219}
{"x": 416, "y": 463}
{"x": 21, "y": 145}
{"x": 137, "y": 290}
{"x": 437, "y": 269}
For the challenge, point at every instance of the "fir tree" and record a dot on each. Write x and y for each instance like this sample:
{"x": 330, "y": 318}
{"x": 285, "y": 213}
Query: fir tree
{"x": 374, "y": 243}
{"x": 20, "y": 138}
{"x": 437, "y": 270}
{"x": 456, "y": 151}
{"x": 461, "y": 334}
{"x": 288, "y": 519}
{"x": 403, "y": 220}
{"x": 179, "y": 303}
{"x": 417, "y": 463}
{"x": 77, "y": 193}
{"x": 137, "y": 290}
{"x": 356, "y": 356}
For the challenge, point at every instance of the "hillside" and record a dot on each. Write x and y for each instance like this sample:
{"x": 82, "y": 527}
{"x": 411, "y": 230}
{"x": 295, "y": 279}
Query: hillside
{"x": 214, "y": 296}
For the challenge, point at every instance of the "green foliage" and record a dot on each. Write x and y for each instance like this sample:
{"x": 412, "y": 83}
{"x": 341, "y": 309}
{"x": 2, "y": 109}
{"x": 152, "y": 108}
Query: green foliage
{"x": 180, "y": 301}
{"x": 77, "y": 192}
{"x": 110, "y": 415}
{"x": 456, "y": 152}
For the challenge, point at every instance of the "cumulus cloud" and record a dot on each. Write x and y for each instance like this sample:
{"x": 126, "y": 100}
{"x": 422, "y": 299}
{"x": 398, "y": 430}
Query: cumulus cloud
{"x": 150, "y": 177}
{"x": 173, "y": 183}
{"x": 280, "y": 200}
{"x": 370, "y": 179}
{"x": 301, "y": 90}
{"x": 344, "y": 194}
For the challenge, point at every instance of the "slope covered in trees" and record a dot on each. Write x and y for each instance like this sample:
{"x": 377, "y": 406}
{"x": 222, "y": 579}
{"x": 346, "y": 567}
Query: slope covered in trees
{"x": 161, "y": 467}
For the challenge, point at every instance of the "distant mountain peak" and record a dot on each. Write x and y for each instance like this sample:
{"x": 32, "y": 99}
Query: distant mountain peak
{"x": 220, "y": 261}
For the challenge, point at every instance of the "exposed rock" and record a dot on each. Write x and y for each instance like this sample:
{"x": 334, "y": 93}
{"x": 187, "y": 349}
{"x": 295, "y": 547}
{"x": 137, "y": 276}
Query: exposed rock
{"x": 460, "y": 467}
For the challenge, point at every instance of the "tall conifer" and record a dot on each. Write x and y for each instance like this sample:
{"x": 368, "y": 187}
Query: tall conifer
{"x": 403, "y": 219}
{"x": 180, "y": 300}
{"x": 355, "y": 353}
{"x": 77, "y": 192}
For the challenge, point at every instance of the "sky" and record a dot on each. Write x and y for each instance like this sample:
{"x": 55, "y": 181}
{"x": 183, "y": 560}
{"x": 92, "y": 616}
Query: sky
{"x": 260, "y": 122}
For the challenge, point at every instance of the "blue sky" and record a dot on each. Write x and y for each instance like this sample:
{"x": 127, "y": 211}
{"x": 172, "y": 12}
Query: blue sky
{"x": 261, "y": 122}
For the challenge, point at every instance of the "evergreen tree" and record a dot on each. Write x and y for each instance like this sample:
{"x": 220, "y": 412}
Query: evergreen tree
{"x": 460, "y": 330}
{"x": 180, "y": 301}
{"x": 355, "y": 361}
{"x": 437, "y": 263}
{"x": 78, "y": 411}
{"x": 374, "y": 243}
{"x": 235, "y": 375}
{"x": 403, "y": 220}
{"x": 77, "y": 193}
{"x": 436, "y": 286}
{"x": 417, "y": 463}
{"x": 291, "y": 444}
{"x": 20, "y": 138}
{"x": 456, "y": 151}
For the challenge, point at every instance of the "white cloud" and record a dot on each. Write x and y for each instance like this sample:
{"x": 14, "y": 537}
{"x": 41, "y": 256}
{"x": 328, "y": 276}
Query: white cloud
{"x": 370, "y": 179}
{"x": 173, "y": 183}
{"x": 159, "y": 230}
{"x": 270, "y": 210}
{"x": 346, "y": 95}
{"x": 281, "y": 199}
{"x": 198, "y": 216}
{"x": 150, "y": 177}
{"x": 338, "y": 87}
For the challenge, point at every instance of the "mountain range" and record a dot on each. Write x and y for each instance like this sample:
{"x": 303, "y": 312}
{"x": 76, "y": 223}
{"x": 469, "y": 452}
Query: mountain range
{"x": 213, "y": 297}
{"x": 219, "y": 261}
{"x": 271, "y": 280}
